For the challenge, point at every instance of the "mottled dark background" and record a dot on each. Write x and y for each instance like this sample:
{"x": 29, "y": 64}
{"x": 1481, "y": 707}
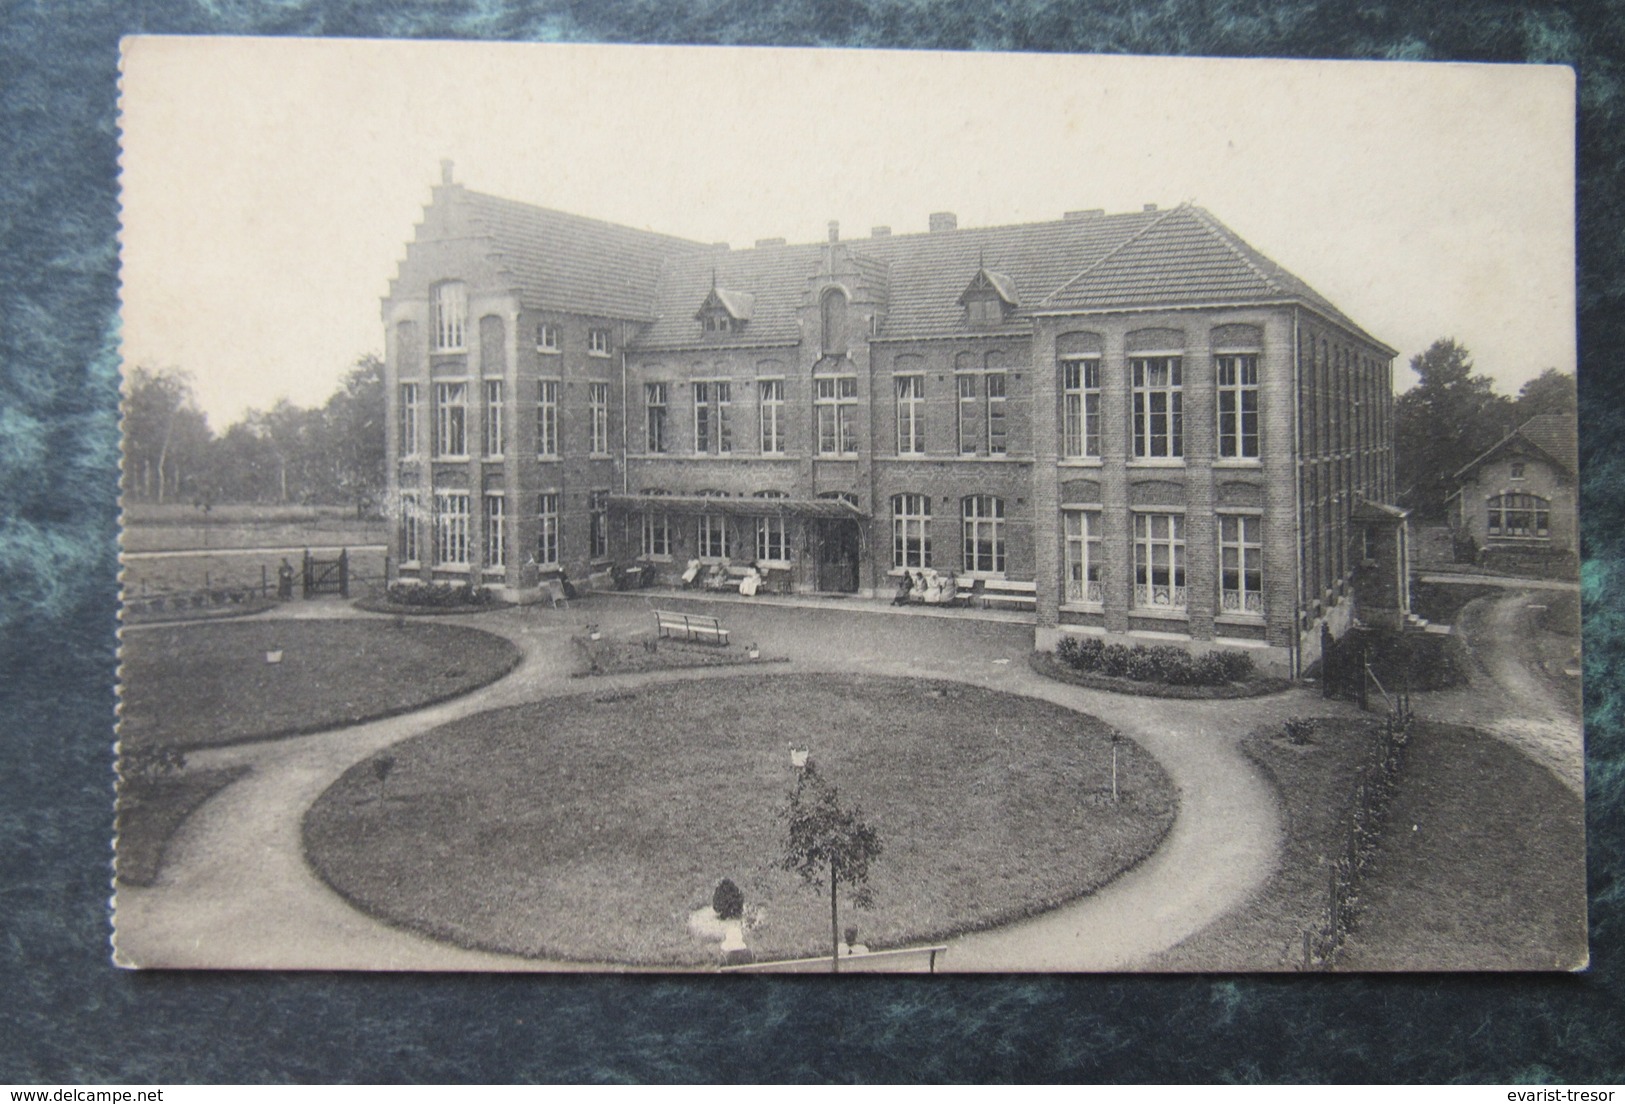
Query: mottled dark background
{"x": 67, "y": 1016}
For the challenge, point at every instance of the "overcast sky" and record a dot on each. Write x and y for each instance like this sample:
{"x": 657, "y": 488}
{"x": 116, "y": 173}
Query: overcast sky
{"x": 270, "y": 185}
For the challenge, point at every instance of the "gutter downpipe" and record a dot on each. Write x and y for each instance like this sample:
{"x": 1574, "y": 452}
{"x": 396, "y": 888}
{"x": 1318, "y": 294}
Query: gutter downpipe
{"x": 626, "y": 414}
{"x": 1296, "y": 665}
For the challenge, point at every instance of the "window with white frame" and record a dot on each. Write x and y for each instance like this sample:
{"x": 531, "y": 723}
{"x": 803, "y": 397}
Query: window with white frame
{"x": 547, "y": 418}
{"x": 911, "y": 415}
{"x": 995, "y": 387}
{"x": 1084, "y": 563}
{"x": 835, "y": 399}
{"x": 1080, "y": 407}
{"x": 654, "y": 416}
{"x": 598, "y": 417}
{"x": 547, "y": 337}
{"x": 450, "y": 316}
{"x": 451, "y": 419}
{"x": 771, "y": 393}
{"x": 713, "y": 400}
{"x": 1158, "y": 412}
{"x": 984, "y": 534}
{"x": 496, "y": 530}
{"x": 966, "y": 384}
{"x": 1517, "y": 469}
{"x": 409, "y": 420}
{"x": 598, "y": 342}
{"x": 495, "y": 437}
{"x": 713, "y": 533}
{"x": 1237, "y": 382}
{"x": 409, "y": 527}
{"x": 1522, "y": 516}
{"x": 1159, "y": 561}
{"x": 656, "y": 530}
{"x": 772, "y": 535}
{"x": 451, "y": 528}
{"x": 547, "y": 530}
{"x": 598, "y": 516}
{"x": 911, "y": 530}
{"x": 1241, "y": 564}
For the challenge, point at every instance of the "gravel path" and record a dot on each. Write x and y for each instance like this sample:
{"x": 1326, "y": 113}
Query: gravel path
{"x": 235, "y": 891}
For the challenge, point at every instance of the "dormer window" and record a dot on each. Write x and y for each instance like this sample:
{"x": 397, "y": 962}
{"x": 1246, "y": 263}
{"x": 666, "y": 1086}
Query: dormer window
{"x": 725, "y": 311}
{"x": 989, "y": 299}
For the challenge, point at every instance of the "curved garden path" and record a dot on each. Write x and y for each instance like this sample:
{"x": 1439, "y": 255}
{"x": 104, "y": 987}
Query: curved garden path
{"x": 235, "y": 891}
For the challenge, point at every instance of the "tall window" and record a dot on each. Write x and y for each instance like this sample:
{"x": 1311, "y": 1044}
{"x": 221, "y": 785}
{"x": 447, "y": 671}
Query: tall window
{"x": 1238, "y": 405}
{"x": 1520, "y": 515}
{"x": 910, "y": 415}
{"x": 713, "y": 399}
{"x": 772, "y": 414}
{"x": 714, "y": 536}
{"x": 654, "y": 411}
{"x": 547, "y": 418}
{"x": 911, "y": 530}
{"x": 496, "y": 531}
{"x": 656, "y": 530}
{"x": 836, "y": 402}
{"x": 409, "y": 419}
{"x": 772, "y": 539}
{"x": 547, "y": 532}
{"x": 495, "y": 438}
{"x": 967, "y": 413}
{"x": 450, "y": 316}
{"x": 598, "y": 416}
{"x": 1159, "y": 561}
{"x": 547, "y": 338}
{"x": 451, "y": 528}
{"x": 1084, "y": 562}
{"x": 1159, "y": 417}
{"x": 833, "y": 322}
{"x": 598, "y": 514}
{"x": 409, "y": 528}
{"x": 451, "y": 419}
{"x": 984, "y": 533}
{"x": 1080, "y": 407}
{"x": 1241, "y": 565}
{"x": 597, "y": 342}
{"x": 995, "y": 414}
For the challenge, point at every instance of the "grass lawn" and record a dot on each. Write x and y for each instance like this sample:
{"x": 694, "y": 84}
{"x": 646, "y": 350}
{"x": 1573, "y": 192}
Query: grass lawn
{"x": 234, "y": 569}
{"x": 1484, "y": 867}
{"x": 589, "y": 827}
{"x": 1046, "y": 664}
{"x": 1315, "y": 783}
{"x": 150, "y": 810}
{"x": 208, "y": 684}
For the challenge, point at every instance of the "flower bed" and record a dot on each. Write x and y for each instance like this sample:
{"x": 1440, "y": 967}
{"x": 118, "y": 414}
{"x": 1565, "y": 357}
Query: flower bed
{"x": 1159, "y": 671}
{"x": 432, "y": 599}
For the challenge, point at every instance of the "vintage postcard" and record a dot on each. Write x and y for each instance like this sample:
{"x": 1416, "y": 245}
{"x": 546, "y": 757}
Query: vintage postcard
{"x": 624, "y": 508}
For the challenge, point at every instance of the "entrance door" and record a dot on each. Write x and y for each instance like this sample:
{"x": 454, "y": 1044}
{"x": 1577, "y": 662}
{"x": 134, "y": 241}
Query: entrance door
{"x": 837, "y": 556}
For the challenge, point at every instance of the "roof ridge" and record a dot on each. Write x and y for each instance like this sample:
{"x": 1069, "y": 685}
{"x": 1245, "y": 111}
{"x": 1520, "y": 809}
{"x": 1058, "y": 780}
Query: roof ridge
{"x": 1223, "y": 233}
{"x": 1114, "y": 251}
{"x": 571, "y": 216}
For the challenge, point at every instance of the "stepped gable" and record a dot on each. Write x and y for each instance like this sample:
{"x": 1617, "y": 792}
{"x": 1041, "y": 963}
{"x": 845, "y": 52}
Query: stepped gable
{"x": 571, "y": 263}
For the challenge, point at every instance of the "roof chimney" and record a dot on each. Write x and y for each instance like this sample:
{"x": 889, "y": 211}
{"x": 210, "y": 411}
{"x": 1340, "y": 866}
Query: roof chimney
{"x": 445, "y": 170}
{"x": 1149, "y": 207}
{"x": 943, "y": 220}
{"x": 834, "y": 231}
{"x": 1076, "y": 216}
{"x": 880, "y": 232}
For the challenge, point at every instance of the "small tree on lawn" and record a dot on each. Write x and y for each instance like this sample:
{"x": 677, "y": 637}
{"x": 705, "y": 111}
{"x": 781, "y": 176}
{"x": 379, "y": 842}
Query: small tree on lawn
{"x": 822, "y": 836}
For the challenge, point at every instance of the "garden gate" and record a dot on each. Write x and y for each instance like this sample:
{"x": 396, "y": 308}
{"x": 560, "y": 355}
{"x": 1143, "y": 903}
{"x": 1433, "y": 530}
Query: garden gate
{"x": 327, "y": 576}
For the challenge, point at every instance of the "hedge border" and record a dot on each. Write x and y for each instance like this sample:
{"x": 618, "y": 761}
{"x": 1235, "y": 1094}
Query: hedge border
{"x": 1046, "y": 664}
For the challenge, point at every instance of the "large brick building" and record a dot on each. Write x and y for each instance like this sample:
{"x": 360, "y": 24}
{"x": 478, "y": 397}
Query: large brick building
{"x": 1141, "y": 414}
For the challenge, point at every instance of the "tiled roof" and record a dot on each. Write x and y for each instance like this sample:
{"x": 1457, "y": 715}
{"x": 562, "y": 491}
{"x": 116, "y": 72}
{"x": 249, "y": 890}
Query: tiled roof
{"x": 776, "y": 275}
{"x": 569, "y": 263}
{"x": 1556, "y": 435}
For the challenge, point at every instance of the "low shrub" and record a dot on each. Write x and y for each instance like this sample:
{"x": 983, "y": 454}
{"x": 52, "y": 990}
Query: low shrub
{"x": 1299, "y": 729}
{"x": 1163, "y": 663}
{"x": 437, "y": 595}
{"x": 728, "y": 902}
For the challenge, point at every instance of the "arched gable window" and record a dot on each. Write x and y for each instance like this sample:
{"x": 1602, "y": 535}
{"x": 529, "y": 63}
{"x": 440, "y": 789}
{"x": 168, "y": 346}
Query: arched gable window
{"x": 1520, "y": 515}
{"x": 833, "y": 318}
{"x": 450, "y": 315}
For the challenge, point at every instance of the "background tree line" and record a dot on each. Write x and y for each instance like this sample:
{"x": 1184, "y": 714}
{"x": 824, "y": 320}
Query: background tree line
{"x": 1453, "y": 415}
{"x": 331, "y": 454}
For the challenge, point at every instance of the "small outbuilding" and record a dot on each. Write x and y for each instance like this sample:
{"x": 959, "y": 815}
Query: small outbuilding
{"x": 1518, "y": 502}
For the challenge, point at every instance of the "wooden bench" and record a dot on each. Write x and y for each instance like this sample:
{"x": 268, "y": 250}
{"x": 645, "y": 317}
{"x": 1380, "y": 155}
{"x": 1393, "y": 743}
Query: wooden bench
{"x": 691, "y": 626}
{"x": 1010, "y": 592}
{"x": 904, "y": 960}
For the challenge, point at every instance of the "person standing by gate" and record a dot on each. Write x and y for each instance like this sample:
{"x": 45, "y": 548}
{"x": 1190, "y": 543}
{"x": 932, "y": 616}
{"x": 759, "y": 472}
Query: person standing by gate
{"x": 284, "y": 581}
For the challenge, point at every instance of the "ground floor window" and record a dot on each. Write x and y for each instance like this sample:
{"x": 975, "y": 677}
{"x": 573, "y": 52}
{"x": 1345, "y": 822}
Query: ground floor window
{"x": 598, "y": 512}
{"x": 1241, "y": 565}
{"x": 496, "y": 531}
{"x": 1159, "y": 561}
{"x": 547, "y": 531}
{"x": 656, "y": 535}
{"x": 451, "y": 528}
{"x": 714, "y": 537}
{"x": 1520, "y": 515}
{"x": 772, "y": 541}
{"x": 983, "y": 517}
{"x": 1084, "y": 563}
{"x": 409, "y": 528}
{"x": 911, "y": 530}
